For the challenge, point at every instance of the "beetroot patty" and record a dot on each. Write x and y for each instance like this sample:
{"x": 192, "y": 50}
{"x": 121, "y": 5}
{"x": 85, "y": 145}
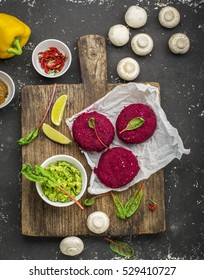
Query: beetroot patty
{"x": 85, "y": 135}
{"x": 117, "y": 167}
{"x": 142, "y": 133}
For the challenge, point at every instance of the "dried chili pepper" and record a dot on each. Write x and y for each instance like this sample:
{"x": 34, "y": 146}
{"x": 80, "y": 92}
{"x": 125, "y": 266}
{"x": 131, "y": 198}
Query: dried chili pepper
{"x": 152, "y": 205}
{"x": 52, "y": 60}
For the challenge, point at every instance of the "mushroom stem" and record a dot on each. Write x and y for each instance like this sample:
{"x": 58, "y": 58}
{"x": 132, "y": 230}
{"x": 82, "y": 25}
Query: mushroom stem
{"x": 179, "y": 43}
{"x": 169, "y": 17}
{"x": 128, "y": 69}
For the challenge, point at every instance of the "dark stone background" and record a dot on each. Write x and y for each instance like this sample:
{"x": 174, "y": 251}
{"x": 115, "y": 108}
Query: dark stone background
{"x": 181, "y": 81}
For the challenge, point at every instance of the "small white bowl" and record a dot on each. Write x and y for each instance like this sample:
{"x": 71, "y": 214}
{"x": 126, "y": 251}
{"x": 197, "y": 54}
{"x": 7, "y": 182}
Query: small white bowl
{"x": 77, "y": 164}
{"x": 11, "y": 88}
{"x": 42, "y": 47}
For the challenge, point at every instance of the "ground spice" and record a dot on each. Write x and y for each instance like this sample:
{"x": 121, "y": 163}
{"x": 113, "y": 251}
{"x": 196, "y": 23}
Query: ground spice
{"x": 3, "y": 91}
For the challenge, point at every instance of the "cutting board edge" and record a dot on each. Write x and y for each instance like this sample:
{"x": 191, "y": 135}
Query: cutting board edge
{"x": 27, "y": 233}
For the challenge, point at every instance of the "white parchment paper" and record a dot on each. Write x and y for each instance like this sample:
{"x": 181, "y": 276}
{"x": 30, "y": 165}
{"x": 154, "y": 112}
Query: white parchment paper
{"x": 155, "y": 153}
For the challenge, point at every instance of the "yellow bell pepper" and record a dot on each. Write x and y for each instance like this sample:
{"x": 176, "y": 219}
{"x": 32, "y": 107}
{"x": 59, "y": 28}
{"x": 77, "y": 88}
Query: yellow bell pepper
{"x": 14, "y": 34}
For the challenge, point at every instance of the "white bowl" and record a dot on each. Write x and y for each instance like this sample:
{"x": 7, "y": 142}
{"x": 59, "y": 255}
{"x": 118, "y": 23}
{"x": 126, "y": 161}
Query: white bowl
{"x": 77, "y": 164}
{"x": 43, "y": 46}
{"x": 11, "y": 88}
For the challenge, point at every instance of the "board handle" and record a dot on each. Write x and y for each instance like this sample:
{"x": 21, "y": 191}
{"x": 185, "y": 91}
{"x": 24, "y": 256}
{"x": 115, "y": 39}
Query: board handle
{"x": 93, "y": 64}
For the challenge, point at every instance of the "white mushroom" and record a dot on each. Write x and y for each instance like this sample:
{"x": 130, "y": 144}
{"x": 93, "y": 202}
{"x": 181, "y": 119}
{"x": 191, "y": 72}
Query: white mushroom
{"x": 128, "y": 69}
{"x": 169, "y": 17}
{"x": 98, "y": 222}
{"x": 179, "y": 43}
{"x": 136, "y": 16}
{"x": 142, "y": 44}
{"x": 71, "y": 246}
{"x": 119, "y": 35}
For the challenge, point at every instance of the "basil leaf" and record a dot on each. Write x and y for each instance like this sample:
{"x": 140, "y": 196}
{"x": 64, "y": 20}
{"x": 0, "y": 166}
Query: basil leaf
{"x": 89, "y": 201}
{"x": 120, "y": 210}
{"x": 122, "y": 249}
{"x": 28, "y": 138}
{"x": 91, "y": 122}
{"x": 133, "y": 203}
{"x": 133, "y": 124}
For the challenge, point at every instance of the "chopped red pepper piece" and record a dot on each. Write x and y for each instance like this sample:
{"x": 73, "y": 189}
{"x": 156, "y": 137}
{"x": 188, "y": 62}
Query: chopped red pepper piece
{"x": 152, "y": 205}
{"x": 52, "y": 60}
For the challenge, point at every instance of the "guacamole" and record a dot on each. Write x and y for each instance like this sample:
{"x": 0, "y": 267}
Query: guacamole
{"x": 68, "y": 177}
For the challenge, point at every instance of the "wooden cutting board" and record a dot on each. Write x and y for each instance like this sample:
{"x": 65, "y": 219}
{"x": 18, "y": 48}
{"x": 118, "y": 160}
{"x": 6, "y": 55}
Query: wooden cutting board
{"x": 41, "y": 219}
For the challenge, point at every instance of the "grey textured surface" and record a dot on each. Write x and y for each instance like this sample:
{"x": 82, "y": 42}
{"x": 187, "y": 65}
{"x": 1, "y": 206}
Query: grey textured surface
{"x": 181, "y": 81}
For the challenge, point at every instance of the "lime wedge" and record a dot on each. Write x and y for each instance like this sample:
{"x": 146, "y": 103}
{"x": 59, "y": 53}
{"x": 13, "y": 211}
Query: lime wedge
{"x": 55, "y": 135}
{"x": 58, "y": 110}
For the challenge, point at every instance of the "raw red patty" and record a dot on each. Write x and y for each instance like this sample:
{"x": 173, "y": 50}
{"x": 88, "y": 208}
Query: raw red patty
{"x": 85, "y": 135}
{"x": 117, "y": 167}
{"x": 142, "y": 133}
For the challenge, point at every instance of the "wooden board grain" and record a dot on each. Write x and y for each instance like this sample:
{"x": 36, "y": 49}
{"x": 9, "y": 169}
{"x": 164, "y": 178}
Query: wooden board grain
{"x": 41, "y": 219}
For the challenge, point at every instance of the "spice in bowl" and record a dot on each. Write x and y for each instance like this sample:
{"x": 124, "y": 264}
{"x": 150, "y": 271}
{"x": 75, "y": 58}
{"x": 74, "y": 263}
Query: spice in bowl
{"x": 3, "y": 91}
{"x": 51, "y": 60}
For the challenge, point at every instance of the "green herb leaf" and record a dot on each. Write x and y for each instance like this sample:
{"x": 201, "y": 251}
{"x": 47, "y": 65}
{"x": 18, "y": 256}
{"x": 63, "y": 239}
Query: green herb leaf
{"x": 89, "y": 201}
{"x": 38, "y": 174}
{"x": 91, "y": 122}
{"x": 28, "y": 138}
{"x": 29, "y": 173}
{"x": 122, "y": 249}
{"x": 133, "y": 124}
{"x": 31, "y": 136}
{"x": 133, "y": 203}
{"x": 120, "y": 210}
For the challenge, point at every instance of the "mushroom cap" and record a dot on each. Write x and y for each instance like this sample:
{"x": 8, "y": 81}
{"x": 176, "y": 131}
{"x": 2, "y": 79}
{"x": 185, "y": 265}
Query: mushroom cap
{"x": 169, "y": 17}
{"x": 179, "y": 43}
{"x": 71, "y": 246}
{"x": 119, "y": 35}
{"x": 136, "y": 16}
{"x": 98, "y": 222}
{"x": 128, "y": 69}
{"x": 142, "y": 44}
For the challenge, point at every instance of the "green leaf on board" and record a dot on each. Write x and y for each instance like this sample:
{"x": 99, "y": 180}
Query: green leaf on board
{"x": 28, "y": 138}
{"x": 133, "y": 203}
{"x": 89, "y": 201}
{"x": 120, "y": 210}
